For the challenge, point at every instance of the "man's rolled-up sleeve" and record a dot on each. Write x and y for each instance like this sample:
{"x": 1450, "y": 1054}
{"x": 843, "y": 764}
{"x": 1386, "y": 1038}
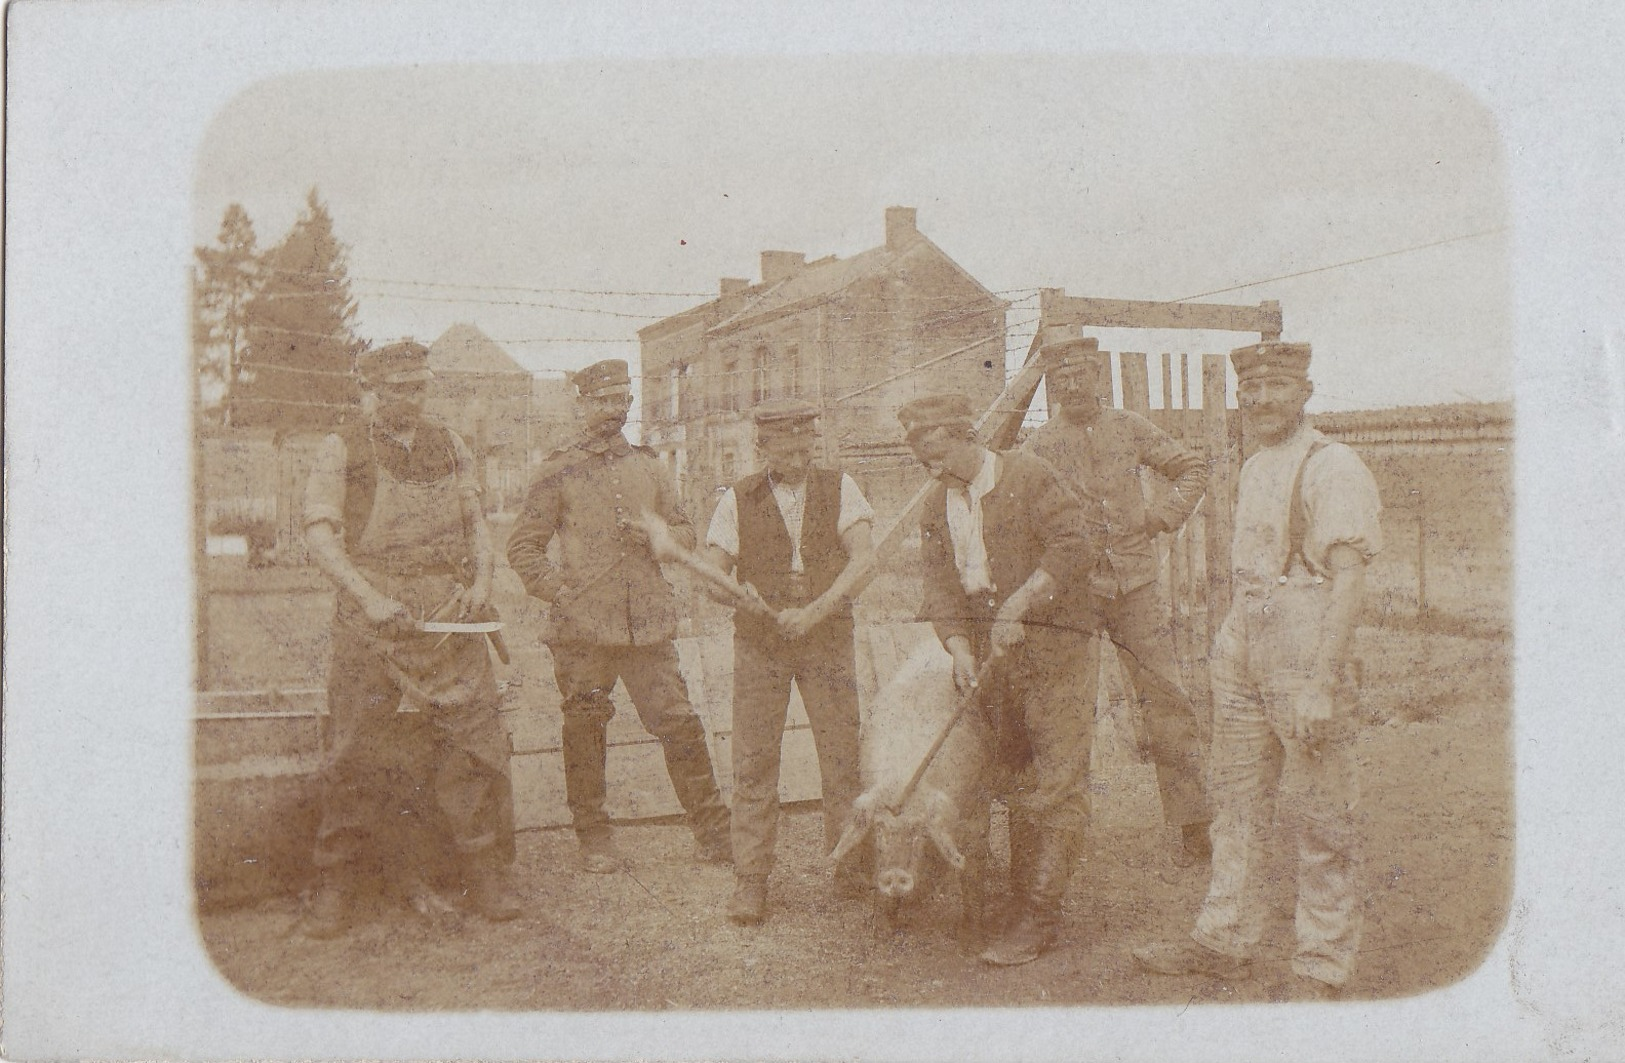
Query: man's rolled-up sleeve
{"x": 324, "y": 488}
{"x": 1344, "y": 508}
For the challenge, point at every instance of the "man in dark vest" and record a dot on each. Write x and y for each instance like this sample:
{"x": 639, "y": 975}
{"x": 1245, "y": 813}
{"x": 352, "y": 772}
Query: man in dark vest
{"x": 800, "y": 535}
{"x": 393, "y": 517}
{"x": 613, "y": 613}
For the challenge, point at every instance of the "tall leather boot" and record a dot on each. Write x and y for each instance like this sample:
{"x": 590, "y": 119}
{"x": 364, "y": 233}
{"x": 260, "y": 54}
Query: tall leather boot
{"x": 1023, "y": 848}
{"x": 688, "y": 763}
{"x": 487, "y": 887}
{"x": 1038, "y": 921}
{"x": 584, "y": 752}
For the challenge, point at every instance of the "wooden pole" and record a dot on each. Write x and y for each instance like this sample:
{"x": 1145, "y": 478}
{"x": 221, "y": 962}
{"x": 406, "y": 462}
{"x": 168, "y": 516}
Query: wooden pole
{"x": 1220, "y": 490}
{"x": 1136, "y": 376}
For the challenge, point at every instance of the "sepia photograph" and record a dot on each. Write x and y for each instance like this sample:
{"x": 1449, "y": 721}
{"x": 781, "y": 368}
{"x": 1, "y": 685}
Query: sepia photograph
{"x": 611, "y": 534}
{"x": 852, "y": 533}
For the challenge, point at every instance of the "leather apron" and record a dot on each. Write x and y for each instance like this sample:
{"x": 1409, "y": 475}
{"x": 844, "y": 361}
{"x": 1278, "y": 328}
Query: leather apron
{"x": 410, "y": 550}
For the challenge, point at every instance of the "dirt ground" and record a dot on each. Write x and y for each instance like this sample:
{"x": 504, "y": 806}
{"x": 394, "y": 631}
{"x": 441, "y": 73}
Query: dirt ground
{"x": 1437, "y": 817}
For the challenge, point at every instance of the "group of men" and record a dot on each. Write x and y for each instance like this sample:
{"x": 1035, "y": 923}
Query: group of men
{"x": 1027, "y": 557}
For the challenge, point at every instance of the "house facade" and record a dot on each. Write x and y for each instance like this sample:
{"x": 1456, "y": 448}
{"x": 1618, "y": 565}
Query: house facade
{"x": 857, "y": 337}
{"x": 506, "y": 414}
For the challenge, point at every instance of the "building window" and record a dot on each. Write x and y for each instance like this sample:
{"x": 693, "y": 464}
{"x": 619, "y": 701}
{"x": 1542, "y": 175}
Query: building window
{"x": 759, "y": 385}
{"x": 729, "y": 466}
{"x": 674, "y": 381}
{"x": 793, "y": 382}
{"x": 728, "y": 386}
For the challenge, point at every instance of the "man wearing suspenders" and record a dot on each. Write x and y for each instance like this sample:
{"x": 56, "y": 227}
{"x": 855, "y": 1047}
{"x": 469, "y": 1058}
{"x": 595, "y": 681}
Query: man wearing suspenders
{"x": 1307, "y": 523}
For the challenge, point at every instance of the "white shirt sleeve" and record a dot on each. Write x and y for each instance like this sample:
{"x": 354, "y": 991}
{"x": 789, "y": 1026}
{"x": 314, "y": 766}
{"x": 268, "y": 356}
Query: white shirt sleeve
{"x": 854, "y": 507}
{"x": 724, "y": 529}
{"x": 1343, "y": 506}
{"x": 324, "y": 488}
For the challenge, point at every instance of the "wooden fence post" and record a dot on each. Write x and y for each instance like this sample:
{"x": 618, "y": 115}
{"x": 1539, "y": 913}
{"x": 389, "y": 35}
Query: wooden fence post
{"x": 1220, "y": 490}
{"x": 1136, "y": 376}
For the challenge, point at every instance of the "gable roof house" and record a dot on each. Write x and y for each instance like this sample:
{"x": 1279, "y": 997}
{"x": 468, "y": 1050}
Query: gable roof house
{"x": 857, "y": 337}
{"x": 491, "y": 401}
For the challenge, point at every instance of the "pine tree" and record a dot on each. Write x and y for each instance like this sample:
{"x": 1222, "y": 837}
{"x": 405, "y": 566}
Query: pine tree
{"x": 224, "y": 282}
{"x": 301, "y": 343}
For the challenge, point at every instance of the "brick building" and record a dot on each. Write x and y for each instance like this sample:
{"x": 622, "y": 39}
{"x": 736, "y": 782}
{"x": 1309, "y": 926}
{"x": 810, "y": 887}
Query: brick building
{"x": 858, "y": 337}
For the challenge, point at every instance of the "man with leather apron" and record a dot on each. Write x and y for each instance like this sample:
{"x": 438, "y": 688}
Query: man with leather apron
{"x": 1000, "y": 540}
{"x": 800, "y": 535}
{"x": 416, "y": 792}
{"x": 1307, "y": 523}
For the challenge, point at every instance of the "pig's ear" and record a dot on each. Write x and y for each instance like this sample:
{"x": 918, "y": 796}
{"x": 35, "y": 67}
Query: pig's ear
{"x": 863, "y": 818}
{"x": 944, "y": 841}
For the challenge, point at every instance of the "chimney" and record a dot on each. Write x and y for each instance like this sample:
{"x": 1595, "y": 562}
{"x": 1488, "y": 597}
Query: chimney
{"x": 777, "y": 265}
{"x": 900, "y": 228}
{"x": 731, "y": 287}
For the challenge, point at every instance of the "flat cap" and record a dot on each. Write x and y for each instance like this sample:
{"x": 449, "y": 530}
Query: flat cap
{"x": 1074, "y": 354}
{"x": 602, "y": 377}
{"x": 1271, "y": 359}
{"x": 395, "y": 363}
{"x": 785, "y": 416}
{"x": 936, "y": 411}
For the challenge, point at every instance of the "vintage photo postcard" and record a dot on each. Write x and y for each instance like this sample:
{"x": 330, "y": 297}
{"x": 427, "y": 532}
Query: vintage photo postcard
{"x": 748, "y": 552}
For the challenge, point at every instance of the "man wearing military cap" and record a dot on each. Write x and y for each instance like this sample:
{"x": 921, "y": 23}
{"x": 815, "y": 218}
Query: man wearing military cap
{"x": 799, "y": 534}
{"x": 613, "y": 615}
{"x": 393, "y": 517}
{"x": 1099, "y": 451}
{"x": 1307, "y": 523}
{"x": 1001, "y": 540}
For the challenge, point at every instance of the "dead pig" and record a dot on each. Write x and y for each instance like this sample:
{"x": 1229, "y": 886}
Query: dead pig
{"x": 948, "y": 808}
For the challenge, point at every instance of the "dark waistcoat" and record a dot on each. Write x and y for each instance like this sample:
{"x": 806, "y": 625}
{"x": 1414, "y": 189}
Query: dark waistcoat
{"x": 764, "y": 545}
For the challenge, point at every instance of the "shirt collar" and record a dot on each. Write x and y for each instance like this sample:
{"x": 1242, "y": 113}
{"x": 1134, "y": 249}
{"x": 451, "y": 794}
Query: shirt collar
{"x": 615, "y": 445}
{"x": 985, "y": 477}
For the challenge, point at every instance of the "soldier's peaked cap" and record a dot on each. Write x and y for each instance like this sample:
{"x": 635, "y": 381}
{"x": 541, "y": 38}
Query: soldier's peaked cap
{"x": 601, "y": 377}
{"x": 936, "y": 411}
{"x": 1074, "y": 354}
{"x": 785, "y": 417}
{"x": 1271, "y": 359}
{"x": 395, "y": 363}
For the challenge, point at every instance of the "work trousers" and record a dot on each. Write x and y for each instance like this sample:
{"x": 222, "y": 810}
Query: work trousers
{"x": 822, "y": 667}
{"x": 1317, "y": 797}
{"x": 1051, "y": 675}
{"x": 1138, "y": 625}
{"x": 398, "y": 784}
{"x": 586, "y": 674}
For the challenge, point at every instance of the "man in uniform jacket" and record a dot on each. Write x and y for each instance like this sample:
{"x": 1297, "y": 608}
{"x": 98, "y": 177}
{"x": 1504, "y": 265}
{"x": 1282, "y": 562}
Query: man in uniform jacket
{"x": 1307, "y": 523}
{"x": 613, "y": 613}
{"x": 1001, "y": 540}
{"x": 1099, "y": 452}
{"x": 419, "y": 751}
{"x": 800, "y": 535}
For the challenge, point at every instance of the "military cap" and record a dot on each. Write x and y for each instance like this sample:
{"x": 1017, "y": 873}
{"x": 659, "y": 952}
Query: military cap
{"x": 1271, "y": 359}
{"x": 784, "y": 417}
{"x": 395, "y": 363}
{"x": 602, "y": 377}
{"x": 936, "y": 411}
{"x": 1070, "y": 355}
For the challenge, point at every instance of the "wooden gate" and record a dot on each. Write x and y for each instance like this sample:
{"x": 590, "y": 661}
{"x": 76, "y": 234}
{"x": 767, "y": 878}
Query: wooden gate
{"x": 1196, "y": 559}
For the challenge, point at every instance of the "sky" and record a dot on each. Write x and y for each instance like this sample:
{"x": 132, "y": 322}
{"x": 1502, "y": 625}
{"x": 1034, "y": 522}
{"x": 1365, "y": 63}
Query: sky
{"x": 561, "y": 207}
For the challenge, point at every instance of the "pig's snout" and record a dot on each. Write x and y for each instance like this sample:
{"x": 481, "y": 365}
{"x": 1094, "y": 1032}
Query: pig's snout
{"x": 895, "y": 882}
